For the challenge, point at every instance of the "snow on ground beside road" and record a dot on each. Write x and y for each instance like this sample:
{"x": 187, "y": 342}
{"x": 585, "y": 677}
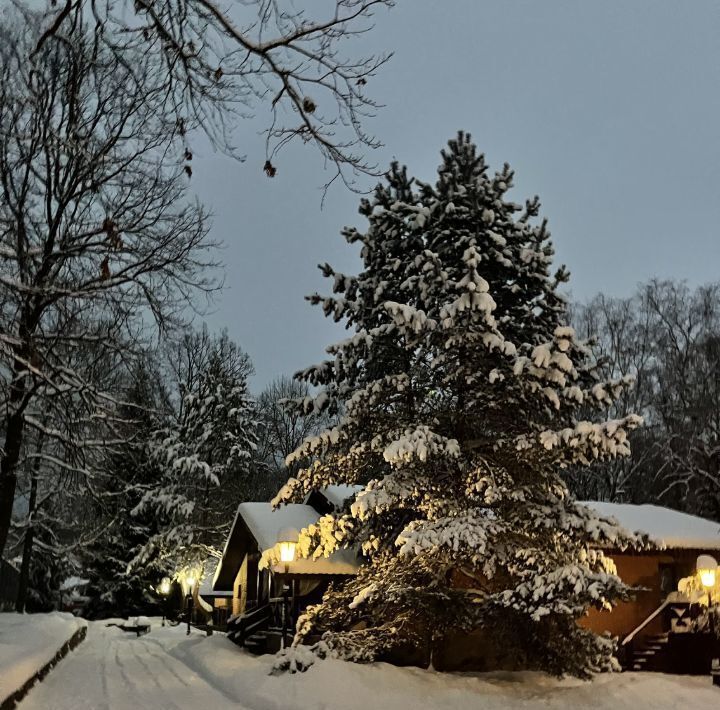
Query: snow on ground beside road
{"x": 116, "y": 670}
{"x": 334, "y": 684}
{"x": 28, "y": 642}
{"x": 166, "y": 669}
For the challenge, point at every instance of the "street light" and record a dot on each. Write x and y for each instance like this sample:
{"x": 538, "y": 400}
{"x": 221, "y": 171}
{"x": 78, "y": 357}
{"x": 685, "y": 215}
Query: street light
{"x": 164, "y": 588}
{"x": 164, "y": 591}
{"x": 287, "y": 542}
{"x": 706, "y": 566}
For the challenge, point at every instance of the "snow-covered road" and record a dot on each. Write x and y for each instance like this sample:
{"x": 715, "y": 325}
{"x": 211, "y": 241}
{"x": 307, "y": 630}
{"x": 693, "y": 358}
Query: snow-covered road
{"x": 112, "y": 670}
{"x": 166, "y": 670}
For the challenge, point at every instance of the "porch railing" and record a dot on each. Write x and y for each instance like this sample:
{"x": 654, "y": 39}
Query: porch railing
{"x": 628, "y": 639}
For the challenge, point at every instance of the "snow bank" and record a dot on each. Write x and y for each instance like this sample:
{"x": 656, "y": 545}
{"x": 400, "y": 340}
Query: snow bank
{"x": 28, "y": 642}
{"x": 167, "y": 669}
{"x": 245, "y": 679}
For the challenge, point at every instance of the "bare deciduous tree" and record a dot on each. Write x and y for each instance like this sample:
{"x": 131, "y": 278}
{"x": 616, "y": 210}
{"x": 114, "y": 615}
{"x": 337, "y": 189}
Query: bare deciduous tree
{"x": 284, "y": 428}
{"x": 669, "y": 337}
{"x": 99, "y": 241}
{"x": 221, "y": 61}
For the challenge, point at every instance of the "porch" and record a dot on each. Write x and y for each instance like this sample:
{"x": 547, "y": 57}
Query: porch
{"x": 678, "y": 637}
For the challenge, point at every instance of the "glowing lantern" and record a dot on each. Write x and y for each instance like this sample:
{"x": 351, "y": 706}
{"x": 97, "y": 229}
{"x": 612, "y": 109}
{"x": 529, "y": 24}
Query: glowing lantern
{"x": 706, "y": 569}
{"x": 164, "y": 587}
{"x": 707, "y": 578}
{"x": 190, "y": 582}
{"x": 287, "y": 541}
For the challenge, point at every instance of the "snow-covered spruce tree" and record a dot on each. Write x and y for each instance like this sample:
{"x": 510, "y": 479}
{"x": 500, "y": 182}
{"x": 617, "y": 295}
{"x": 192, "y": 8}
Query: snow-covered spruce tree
{"x": 459, "y": 390}
{"x": 117, "y": 588}
{"x": 204, "y": 456}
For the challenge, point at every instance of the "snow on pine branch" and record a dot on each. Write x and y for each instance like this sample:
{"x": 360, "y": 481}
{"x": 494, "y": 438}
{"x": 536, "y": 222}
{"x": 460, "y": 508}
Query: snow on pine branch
{"x": 315, "y": 445}
{"x": 419, "y": 444}
{"x": 587, "y": 440}
{"x": 408, "y": 318}
{"x": 566, "y": 590}
{"x": 474, "y": 295}
{"x": 472, "y": 536}
{"x": 389, "y": 493}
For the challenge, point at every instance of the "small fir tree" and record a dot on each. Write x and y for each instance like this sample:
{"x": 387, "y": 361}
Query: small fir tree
{"x": 460, "y": 393}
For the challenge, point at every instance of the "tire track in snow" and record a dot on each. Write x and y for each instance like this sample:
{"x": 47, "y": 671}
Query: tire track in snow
{"x": 136, "y": 681}
{"x": 103, "y": 680}
{"x": 181, "y": 657}
{"x": 163, "y": 657}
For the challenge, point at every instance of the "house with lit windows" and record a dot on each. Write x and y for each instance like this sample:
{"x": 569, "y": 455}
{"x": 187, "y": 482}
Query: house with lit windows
{"x": 657, "y": 630}
{"x": 257, "y": 601}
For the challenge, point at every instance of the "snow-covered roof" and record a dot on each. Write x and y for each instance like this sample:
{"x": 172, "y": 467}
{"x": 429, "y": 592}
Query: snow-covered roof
{"x": 337, "y": 495}
{"x": 675, "y": 529}
{"x": 266, "y": 522}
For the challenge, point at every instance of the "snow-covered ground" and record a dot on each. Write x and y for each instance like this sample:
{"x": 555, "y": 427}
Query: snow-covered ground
{"x": 166, "y": 669}
{"x": 28, "y": 642}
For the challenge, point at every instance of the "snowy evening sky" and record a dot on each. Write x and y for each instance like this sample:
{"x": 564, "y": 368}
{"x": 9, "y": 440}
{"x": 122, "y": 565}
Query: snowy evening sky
{"x": 608, "y": 110}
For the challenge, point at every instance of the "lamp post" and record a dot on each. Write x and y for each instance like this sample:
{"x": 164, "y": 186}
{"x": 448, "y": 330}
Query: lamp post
{"x": 189, "y": 601}
{"x": 707, "y": 571}
{"x": 287, "y": 541}
{"x": 164, "y": 591}
{"x": 707, "y": 568}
